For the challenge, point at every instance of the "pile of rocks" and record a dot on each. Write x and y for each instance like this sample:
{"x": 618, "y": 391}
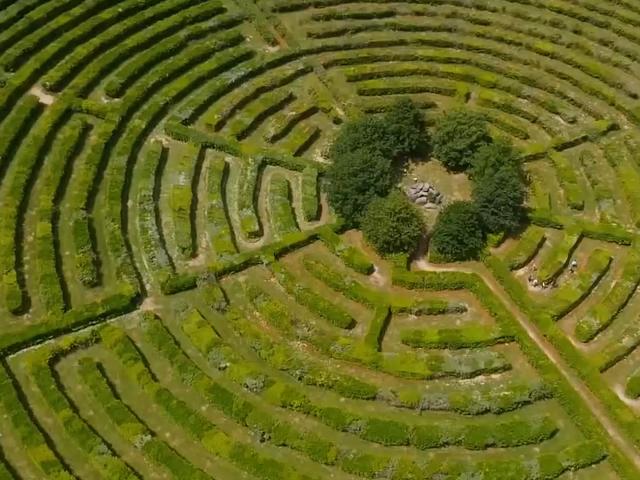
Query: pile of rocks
{"x": 425, "y": 194}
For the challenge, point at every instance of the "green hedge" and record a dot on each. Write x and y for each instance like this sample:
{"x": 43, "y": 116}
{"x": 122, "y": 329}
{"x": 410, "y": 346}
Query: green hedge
{"x": 15, "y": 195}
{"x": 589, "y": 371}
{"x": 153, "y": 247}
{"x": 568, "y": 179}
{"x": 219, "y": 227}
{"x": 472, "y": 336}
{"x": 133, "y": 32}
{"x": 558, "y": 256}
{"x": 377, "y": 327}
{"x": 282, "y": 215}
{"x": 33, "y": 442}
{"x": 131, "y": 427}
{"x": 314, "y": 302}
{"x": 527, "y": 248}
{"x": 249, "y": 118}
{"x": 602, "y": 314}
{"x": 310, "y": 194}
{"x": 81, "y": 194}
{"x": 130, "y": 72}
{"x": 578, "y": 286}
{"x": 183, "y": 172}
{"x": 41, "y": 367}
{"x": 406, "y": 364}
{"x": 350, "y": 255}
{"x": 51, "y": 284}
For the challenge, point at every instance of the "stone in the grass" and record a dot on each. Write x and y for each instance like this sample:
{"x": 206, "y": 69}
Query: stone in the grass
{"x": 424, "y": 194}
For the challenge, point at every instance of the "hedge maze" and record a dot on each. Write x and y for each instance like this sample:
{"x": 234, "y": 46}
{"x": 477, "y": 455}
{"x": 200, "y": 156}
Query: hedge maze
{"x": 177, "y": 299}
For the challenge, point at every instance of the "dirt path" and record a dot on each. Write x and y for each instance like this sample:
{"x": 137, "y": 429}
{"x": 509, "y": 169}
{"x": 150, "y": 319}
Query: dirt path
{"x": 592, "y": 402}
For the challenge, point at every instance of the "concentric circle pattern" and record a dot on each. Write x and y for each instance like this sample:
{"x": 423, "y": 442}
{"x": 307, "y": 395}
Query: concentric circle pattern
{"x": 177, "y": 300}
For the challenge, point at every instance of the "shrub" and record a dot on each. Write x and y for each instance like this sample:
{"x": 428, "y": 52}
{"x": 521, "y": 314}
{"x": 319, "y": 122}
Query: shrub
{"x": 457, "y": 137}
{"x": 392, "y": 224}
{"x": 458, "y": 233}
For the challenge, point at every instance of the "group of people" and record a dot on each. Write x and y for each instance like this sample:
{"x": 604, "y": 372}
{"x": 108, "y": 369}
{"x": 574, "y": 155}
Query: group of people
{"x": 533, "y": 279}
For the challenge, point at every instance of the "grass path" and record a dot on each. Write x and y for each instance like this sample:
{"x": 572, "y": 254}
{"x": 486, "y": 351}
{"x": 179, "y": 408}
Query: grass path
{"x": 595, "y": 406}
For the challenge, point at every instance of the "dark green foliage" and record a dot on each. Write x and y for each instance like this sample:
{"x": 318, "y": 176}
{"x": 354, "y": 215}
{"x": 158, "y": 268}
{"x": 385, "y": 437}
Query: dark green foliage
{"x": 458, "y": 234}
{"x": 397, "y": 134}
{"x": 369, "y": 133}
{"x": 458, "y": 136}
{"x": 356, "y": 178}
{"x": 490, "y": 158}
{"x": 364, "y": 155}
{"x": 499, "y": 198}
{"x": 393, "y": 224}
{"x": 406, "y": 127}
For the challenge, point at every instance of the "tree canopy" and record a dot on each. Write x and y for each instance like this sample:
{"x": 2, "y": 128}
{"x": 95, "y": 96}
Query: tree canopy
{"x": 392, "y": 224}
{"x": 457, "y": 137}
{"x": 491, "y": 157}
{"x": 365, "y": 154}
{"x": 356, "y": 178}
{"x": 499, "y": 198}
{"x": 458, "y": 233}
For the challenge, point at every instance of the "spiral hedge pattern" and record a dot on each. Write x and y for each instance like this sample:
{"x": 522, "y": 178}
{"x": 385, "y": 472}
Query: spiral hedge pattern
{"x": 177, "y": 300}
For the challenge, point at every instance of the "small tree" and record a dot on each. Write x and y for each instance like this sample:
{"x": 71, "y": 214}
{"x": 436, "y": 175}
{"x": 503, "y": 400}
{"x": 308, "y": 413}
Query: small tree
{"x": 356, "y": 178}
{"x": 458, "y": 234}
{"x": 500, "y": 197}
{"x": 458, "y": 136}
{"x": 393, "y": 224}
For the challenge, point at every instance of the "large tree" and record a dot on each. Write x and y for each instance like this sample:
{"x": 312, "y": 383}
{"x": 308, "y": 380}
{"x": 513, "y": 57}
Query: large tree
{"x": 490, "y": 158}
{"x": 457, "y": 137}
{"x": 407, "y": 128}
{"x": 356, "y": 178}
{"x": 499, "y": 197}
{"x": 392, "y": 224}
{"x": 399, "y": 133}
{"x": 458, "y": 233}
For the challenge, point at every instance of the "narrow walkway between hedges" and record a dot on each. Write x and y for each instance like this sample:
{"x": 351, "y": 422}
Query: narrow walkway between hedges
{"x": 598, "y": 410}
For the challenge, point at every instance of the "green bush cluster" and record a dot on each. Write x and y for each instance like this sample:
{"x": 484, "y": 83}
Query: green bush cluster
{"x": 458, "y": 233}
{"x": 462, "y": 143}
{"x": 392, "y": 224}
{"x": 457, "y": 137}
{"x": 365, "y": 155}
